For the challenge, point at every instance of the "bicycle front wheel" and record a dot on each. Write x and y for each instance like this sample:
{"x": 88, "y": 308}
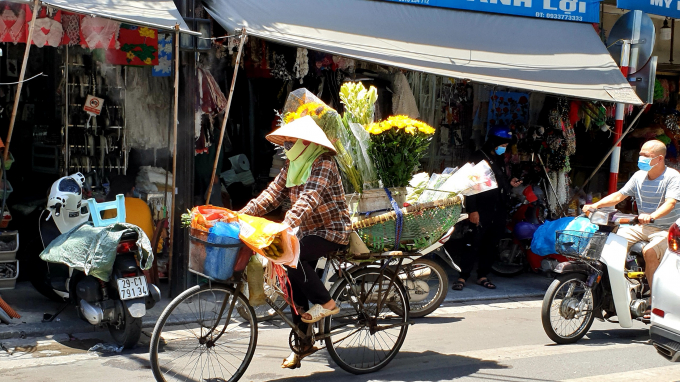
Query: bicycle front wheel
{"x": 365, "y": 340}
{"x": 185, "y": 347}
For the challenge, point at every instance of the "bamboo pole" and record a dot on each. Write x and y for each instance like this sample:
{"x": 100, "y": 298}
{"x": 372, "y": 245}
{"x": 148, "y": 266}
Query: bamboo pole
{"x": 20, "y": 84}
{"x": 174, "y": 154}
{"x": 226, "y": 112}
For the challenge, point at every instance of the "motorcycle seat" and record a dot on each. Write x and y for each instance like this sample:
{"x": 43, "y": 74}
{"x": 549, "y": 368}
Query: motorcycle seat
{"x": 637, "y": 248}
{"x": 129, "y": 236}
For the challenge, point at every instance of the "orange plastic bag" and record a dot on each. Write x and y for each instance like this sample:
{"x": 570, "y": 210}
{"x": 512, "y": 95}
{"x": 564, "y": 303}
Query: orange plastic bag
{"x": 205, "y": 217}
{"x": 259, "y": 233}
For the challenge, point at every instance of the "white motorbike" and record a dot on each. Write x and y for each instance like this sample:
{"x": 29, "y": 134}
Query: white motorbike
{"x": 604, "y": 280}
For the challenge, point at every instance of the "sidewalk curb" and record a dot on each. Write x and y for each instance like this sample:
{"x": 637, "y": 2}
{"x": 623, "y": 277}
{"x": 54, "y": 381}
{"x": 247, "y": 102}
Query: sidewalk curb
{"x": 14, "y": 331}
{"x": 493, "y": 297}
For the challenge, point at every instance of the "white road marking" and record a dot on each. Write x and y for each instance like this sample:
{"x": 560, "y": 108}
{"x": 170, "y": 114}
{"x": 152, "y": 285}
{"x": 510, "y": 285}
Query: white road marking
{"x": 446, "y": 311}
{"x": 657, "y": 374}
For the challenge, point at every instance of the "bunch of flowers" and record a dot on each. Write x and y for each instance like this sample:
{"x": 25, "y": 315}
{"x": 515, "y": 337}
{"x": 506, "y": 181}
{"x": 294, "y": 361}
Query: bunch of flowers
{"x": 397, "y": 145}
{"x": 359, "y": 111}
{"x": 301, "y": 103}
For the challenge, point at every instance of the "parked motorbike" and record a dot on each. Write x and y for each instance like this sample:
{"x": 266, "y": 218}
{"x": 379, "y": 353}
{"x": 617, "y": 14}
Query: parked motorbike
{"x": 601, "y": 280}
{"x": 119, "y": 303}
{"x": 514, "y": 253}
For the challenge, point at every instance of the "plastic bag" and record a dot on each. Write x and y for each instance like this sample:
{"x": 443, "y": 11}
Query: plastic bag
{"x": 219, "y": 262}
{"x": 471, "y": 180}
{"x": 255, "y": 274}
{"x": 543, "y": 243}
{"x": 259, "y": 233}
{"x": 205, "y": 217}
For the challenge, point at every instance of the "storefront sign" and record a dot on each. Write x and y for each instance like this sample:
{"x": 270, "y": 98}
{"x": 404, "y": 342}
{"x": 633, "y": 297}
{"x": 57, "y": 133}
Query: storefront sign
{"x": 570, "y": 10}
{"x": 668, "y": 8}
{"x": 93, "y": 105}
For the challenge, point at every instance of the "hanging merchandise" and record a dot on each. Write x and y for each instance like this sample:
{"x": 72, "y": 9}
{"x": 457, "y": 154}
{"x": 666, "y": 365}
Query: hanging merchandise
{"x": 279, "y": 70}
{"x": 71, "y": 26}
{"x": 13, "y": 25}
{"x": 508, "y": 109}
{"x": 47, "y": 32}
{"x": 97, "y": 32}
{"x": 403, "y": 100}
{"x": 164, "y": 67}
{"x": 138, "y": 46}
{"x": 301, "y": 67}
{"x": 213, "y": 100}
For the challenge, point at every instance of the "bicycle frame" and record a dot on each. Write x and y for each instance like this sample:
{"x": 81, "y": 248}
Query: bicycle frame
{"x": 334, "y": 264}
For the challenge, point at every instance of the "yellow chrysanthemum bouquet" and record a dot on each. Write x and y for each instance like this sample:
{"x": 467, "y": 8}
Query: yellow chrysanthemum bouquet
{"x": 396, "y": 147}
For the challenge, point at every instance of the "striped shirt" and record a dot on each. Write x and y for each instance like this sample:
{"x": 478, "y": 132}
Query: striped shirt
{"x": 651, "y": 194}
{"x": 318, "y": 206}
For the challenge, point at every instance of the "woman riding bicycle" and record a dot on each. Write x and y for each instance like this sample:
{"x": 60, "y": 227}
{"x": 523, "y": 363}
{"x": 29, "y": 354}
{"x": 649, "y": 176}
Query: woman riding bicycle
{"x": 310, "y": 178}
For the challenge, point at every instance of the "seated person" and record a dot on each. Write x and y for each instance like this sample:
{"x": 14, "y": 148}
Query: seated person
{"x": 137, "y": 212}
{"x": 656, "y": 189}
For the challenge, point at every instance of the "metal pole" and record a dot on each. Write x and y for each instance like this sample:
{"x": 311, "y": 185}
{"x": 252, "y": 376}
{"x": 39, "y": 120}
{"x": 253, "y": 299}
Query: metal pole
{"x": 36, "y": 9}
{"x": 174, "y": 156}
{"x": 67, "y": 152}
{"x": 226, "y": 113}
{"x": 618, "y": 127}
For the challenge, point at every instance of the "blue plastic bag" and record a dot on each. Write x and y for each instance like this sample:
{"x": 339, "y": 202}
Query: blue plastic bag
{"x": 543, "y": 243}
{"x": 219, "y": 262}
{"x": 574, "y": 242}
{"x": 581, "y": 224}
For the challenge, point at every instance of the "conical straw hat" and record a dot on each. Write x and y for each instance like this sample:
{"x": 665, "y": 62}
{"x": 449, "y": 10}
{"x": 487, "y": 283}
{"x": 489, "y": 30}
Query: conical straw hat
{"x": 303, "y": 128}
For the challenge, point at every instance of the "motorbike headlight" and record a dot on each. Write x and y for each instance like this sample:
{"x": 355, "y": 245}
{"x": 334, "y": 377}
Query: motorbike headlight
{"x": 600, "y": 218}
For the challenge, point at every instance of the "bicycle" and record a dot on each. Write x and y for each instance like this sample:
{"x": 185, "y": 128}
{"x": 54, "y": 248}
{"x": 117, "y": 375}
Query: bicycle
{"x": 199, "y": 334}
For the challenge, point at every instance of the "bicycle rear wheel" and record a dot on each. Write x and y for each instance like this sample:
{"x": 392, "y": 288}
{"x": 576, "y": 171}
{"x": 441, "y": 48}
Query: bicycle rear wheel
{"x": 365, "y": 341}
{"x": 183, "y": 347}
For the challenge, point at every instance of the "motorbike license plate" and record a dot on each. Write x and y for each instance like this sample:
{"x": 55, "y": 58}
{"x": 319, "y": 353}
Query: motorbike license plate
{"x": 132, "y": 287}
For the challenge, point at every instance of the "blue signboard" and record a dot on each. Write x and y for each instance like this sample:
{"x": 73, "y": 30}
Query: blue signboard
{"x": 570, "y": 10}
{"x": 668, "y": 8}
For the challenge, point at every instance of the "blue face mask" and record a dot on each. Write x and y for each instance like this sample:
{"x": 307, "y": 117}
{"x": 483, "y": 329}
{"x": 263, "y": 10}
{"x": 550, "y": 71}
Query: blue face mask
{"x": 644, "y": 163}
{"x": 500, "y": 150}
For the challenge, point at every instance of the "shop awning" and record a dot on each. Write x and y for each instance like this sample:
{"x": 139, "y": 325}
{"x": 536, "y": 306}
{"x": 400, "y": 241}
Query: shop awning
{"x": 548, "y": 56}
{"x": 159, "y": 14}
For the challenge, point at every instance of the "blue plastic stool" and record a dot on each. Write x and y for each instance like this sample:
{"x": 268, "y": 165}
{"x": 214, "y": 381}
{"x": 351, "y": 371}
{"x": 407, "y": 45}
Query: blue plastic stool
{"x": 97, "y": 208}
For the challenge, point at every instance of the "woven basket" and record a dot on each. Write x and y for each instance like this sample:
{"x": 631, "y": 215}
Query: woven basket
{"x": 423, "y": 225}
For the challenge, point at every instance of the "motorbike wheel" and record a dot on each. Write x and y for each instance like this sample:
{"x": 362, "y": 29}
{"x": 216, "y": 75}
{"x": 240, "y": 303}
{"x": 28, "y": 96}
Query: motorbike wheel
{"x": 561, "y": 319}
{"x": 437, "y": 280}
{"x": 40, "y": 281}
{"x": 507, "y": 266}
{"x": 128, "y": 332}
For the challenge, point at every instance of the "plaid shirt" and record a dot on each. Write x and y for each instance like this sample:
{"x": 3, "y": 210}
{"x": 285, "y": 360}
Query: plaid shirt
{"x": 318, "y": 206}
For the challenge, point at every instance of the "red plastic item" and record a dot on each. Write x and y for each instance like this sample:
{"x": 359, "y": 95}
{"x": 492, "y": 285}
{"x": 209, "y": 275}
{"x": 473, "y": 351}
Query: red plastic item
{"x": 244, "y": 255}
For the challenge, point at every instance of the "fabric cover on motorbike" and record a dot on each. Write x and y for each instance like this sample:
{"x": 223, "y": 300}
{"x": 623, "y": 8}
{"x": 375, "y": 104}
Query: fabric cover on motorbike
{"x": 93, "y": 250}
{"x": 543, "y": 243}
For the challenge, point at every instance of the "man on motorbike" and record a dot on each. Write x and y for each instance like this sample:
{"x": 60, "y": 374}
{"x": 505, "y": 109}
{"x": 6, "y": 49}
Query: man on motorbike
{"x": 488, "y": 211}
{"x": 656, "y": 189}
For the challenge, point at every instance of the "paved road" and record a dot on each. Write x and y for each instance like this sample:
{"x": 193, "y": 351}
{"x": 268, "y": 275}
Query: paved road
{"x": 489, "y": 341}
